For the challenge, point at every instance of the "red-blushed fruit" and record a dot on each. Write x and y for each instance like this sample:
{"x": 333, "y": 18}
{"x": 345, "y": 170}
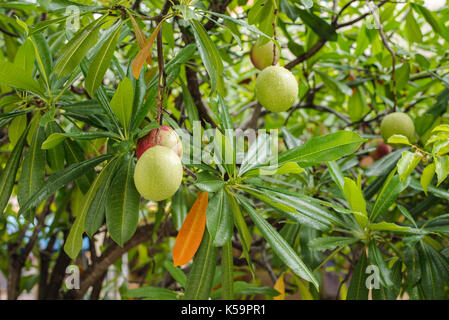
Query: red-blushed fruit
{"x": 163, "y": 136}
{"x": 381, "y": 151}
{"x": 262, "y": 55}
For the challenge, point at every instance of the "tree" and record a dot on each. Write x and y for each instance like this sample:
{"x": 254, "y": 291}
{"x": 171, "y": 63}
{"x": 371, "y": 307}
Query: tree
{"x": 301, "y": 195}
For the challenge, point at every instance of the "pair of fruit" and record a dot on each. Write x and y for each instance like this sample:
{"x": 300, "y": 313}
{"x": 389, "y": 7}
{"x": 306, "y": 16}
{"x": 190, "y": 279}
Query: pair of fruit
{"x": 276, "y": 87}
{"x": 158, "y": 172}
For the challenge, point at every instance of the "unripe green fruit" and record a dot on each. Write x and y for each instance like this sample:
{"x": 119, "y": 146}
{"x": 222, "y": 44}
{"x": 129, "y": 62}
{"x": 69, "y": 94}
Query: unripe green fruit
{"x": 158, "y": 173}
{"x": 276, "y": 89}
{"x": 397, "y": 123}
{"x": 262, "y": 55}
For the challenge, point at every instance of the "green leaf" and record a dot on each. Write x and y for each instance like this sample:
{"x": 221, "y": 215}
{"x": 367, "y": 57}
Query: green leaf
{"x": 427, "y": 176}
{"x": 322, "y": 149}
{"x": 288, "y": 167}
{"x": 201, "y": 275}
{"x": 442, "y": 168}
{"x": 96, "y": 212}
{"x": 219, "y": 219}
{"x": 55, "y": 156}
{"x": 227, "y": 276}
{"x": 376, "y": 258}
{"x": 391, "y": 189}
{"x": 302, "y": 209}
{"x": 209, "y": 54}
{"x": 402, "y": 76}
{"x": 318, "y": 25}
{"x": 357, "y": 289}
{"x": 74, "y": 154}
{"x": 60, "y": 179}
{"x": 282, "y": 249}
{"x": 387, "y": 226}
{"x": 390, "y": 294}
{"x": 176, "y": 273}
{"x": 33, "y": 168}
{"x": 43, "y": 55}
{"x": 101, "y": 61}
{"x": 357, "y": 107}
{"x": 122, "y": 102}
{"x": 434, "y": 274}
{"x": 412, "y": 29}
{"x": 356, "y": 201}
{"x": 151, "y": 293}
{"x": 242, "y": 228}
{"x": 122, "y": 204}
{"x": 179, "y": 208}
{"x": 334, "y": 84}
{"x": 336, "y": 174}
{"x": 209, "y": 182}
{"x": 25, "y": 57}
{"x": 8, "y": 174}
{"x": 330, "y": 243}
{"x": 56, "y": 138}
{"x": 242, "y": 288}
{"x": 75, "y": 50}
{"x": 407, "y": 164}
{"x": 398, "y": 139}
{"x": 429, "y": 16}
{"x": 74, "y": 241}
{"x": 16, "y": 128}
{"x": 16, "y": 77}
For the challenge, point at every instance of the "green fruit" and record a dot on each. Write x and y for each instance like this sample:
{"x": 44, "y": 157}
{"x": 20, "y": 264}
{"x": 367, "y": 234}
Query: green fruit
{"x": 397, "y": 123}
{"x": 262, "y": 55}
{"x": 158, "y": 173}
{"x": 276, "y": 89}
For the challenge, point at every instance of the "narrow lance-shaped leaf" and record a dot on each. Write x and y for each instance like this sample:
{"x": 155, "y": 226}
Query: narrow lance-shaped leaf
{"x": 279, "y": 245}
{"x": 77, "y": 48}
{"x": 191, "y": 233}
{"x": 227, "y": 273}
{"x": 357, "y": 289}
{"x": 325, "y": 148}
{"x": 9, "y": 172}
{"x": 101, "y": 61}
{"x": 201, "y": 275}
{"x": 74, "y": 240}
{"x": 122, "y": 102}
{"x": 356, "y": 201}
{"x": 220, "y": 220}
{"x": 209, "y": 54}
{"x": 60, "y": 179}
{"x": 33, "y": 168}
{"x": 96, "y": 212}
{"x": 375, "y": 257}
{"x": 391, "y": 189}
{"x": 122, "y": 205}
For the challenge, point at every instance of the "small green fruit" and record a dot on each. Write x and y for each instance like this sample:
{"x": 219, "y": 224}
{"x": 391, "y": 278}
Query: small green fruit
{"x": 262, "y": 55}
{"x": 158, "y": 173}
{"x": 397, "y": 123}
{"x": 276, "y": 89}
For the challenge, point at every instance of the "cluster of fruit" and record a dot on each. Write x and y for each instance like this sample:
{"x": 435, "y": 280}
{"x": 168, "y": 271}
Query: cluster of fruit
{"x": 158, "y": 173}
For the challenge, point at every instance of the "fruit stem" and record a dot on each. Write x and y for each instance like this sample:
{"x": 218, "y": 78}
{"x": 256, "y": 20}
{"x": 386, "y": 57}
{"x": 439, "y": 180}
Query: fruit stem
{"x": 275, "y": 37}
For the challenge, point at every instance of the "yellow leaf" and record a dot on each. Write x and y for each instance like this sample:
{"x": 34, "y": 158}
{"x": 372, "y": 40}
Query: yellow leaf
{"x": 280, "y": 287}
{"x": 144, "y": 53}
